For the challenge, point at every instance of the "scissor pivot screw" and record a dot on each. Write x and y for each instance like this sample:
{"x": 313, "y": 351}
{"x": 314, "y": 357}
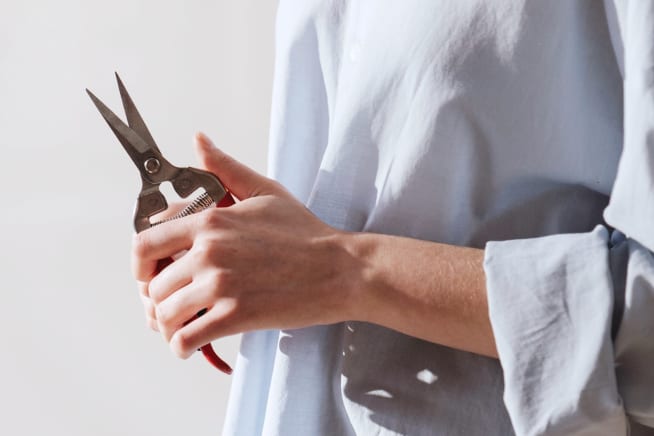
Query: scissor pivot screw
{"x": 152, "y": 165}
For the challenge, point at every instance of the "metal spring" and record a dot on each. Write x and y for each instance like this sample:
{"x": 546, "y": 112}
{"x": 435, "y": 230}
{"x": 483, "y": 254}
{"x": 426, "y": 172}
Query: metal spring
{"x": 201, "y": 203}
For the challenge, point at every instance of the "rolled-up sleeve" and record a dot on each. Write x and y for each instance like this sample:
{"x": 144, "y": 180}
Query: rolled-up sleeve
{"x": 573, "y": 314}
{"x": 551, "y": 307}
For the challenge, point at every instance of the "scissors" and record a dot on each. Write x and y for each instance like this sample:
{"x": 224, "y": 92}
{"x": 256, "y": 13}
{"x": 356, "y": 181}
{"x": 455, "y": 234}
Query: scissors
{"x": 155, "y": 169}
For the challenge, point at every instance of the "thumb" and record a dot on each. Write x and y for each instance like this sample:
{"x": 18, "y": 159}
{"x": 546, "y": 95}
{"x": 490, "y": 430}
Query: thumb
{"x": 240, "y": 180}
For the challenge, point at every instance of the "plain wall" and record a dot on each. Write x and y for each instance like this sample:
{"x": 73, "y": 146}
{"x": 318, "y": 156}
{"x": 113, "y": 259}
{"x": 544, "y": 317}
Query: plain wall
{"x": 75, "y": 355}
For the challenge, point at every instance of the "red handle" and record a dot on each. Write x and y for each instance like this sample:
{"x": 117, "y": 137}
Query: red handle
{"x": 207, "y": 350}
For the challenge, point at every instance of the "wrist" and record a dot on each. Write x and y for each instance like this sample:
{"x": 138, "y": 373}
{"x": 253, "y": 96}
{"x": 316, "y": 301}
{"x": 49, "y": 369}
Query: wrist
{"x": 357, "y": 274}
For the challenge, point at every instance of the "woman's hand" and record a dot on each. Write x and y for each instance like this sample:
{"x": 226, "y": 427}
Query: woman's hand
{"x": 265, "y": 262}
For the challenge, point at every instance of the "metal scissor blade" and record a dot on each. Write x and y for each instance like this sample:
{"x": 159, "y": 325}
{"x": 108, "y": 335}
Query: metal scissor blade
{"x": 134, "y": 119}
{"x": 133, "y": 144}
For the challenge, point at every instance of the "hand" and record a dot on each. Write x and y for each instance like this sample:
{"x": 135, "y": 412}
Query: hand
{"x": 150, "y": 315}
{"x": 266, "y": 262}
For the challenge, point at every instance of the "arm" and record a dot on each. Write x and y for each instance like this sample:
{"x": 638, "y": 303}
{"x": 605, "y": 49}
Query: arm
{"x": 428, "y": 290}
{"x": 267, "y": 262}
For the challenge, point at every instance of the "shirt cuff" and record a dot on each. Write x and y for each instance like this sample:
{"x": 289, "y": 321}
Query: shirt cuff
{"x": 551, "y": 306}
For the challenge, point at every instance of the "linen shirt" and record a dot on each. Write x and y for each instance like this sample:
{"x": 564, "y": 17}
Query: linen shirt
{"x": 523, "y": 127}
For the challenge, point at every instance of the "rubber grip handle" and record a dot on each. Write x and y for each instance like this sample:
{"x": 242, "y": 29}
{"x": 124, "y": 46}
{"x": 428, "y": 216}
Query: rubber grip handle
{"x": 207, "y": 350}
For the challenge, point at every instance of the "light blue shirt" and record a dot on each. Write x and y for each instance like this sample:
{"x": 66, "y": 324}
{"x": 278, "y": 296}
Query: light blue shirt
{"x": 526, "y": 122}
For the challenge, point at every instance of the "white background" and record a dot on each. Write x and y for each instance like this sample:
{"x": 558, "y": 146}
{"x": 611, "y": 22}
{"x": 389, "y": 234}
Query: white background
{"x": 75, "y": 355}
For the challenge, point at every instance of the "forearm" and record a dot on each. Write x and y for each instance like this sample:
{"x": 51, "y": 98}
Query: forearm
{"x": 431, "y": 291}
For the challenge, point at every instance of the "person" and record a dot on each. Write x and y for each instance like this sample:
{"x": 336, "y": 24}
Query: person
{"x": 456, "y": 238}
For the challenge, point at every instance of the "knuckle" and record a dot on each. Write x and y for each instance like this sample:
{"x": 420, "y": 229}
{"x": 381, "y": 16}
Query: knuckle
{"x": 152, "y": 323}
{"x": 201, "y": 250}
{"x": 166, "y": 331}
{"x": 139, "y": 245}
{"x": 219, "y": 282}
{"x": 143, "y": 290}
{"x": 232, "y": 310}
{"x": 275, "y": 186}
{"x": 153, "y": 292}
{"x": 210, "y": 218}
{"x": 162, "y": 314}
{"x": 149, "y": 307}
{"x": 224, "y": 320}
{"x": 181, "y": 345}
{"x": 204, "y": 252}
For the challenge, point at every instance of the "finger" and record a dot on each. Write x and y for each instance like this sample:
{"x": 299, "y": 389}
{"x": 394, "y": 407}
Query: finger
{"x": 150, "y": 315}
{"x": 143, "y": 288}
{"x": 152, "y": 323}
{"x": 242, "y": 181}
{"x": 182, "y": 306}
{"x": 160, "y": 242}
{"x": 217, "y": 322}
{"x": 149, "y": 307}
{"x": 165, "y": 239}
{"x": 172, "y": 278}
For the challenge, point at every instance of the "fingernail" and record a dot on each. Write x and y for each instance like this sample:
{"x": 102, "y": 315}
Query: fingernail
{"x": 204, "y": 140}
{"x": 199, "y": 138}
